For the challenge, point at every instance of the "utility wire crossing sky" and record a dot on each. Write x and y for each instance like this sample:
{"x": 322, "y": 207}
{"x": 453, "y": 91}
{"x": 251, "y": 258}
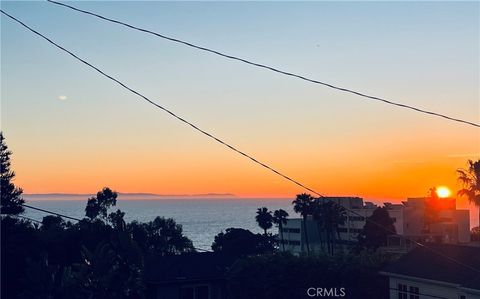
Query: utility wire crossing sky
{"x": 165, "y": 109}
{"x": 319, "y": 136}
{"x": 269, "y": 67}
{"x": 200, "y": 130}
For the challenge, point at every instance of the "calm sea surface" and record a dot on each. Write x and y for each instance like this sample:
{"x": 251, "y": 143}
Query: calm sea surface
{"x": 201, "y": 219}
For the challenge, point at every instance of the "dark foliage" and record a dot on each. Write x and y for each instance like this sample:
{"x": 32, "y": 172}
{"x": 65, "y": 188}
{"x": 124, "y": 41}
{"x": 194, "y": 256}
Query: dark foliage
{"x": 11, "y": 199}
{"x": 329, "y": 216}
{"x": 97, "y": 257}
{"x": 98, "y": 206}
{"x": 376, "y": 230}
{"x": 470, "y": 179}
{"x": 285, "y": 276}
{"x": 264, "y": 219}
{"x": 160, "y": 236}
{"x": 303, "y": 204}
{"x": 280, "y": 219}
{"x": 242, "y": 242}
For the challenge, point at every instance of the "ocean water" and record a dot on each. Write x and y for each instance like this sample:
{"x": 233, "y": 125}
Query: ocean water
{"x": 201, "y": 218}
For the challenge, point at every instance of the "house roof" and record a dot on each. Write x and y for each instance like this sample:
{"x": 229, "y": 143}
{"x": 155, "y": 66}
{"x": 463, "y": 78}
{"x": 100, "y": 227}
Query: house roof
{"x": 441, "y": 262}
{"x": 187, "y": 267}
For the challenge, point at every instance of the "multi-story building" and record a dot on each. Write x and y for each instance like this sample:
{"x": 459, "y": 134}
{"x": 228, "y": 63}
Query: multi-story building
{"x": 433, "y": 220}
{"x": 420, "y": 219}
{"x": 294, "y": 237}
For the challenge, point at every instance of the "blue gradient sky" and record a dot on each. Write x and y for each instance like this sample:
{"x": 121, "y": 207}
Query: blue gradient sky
{"x": 423, "y": 54}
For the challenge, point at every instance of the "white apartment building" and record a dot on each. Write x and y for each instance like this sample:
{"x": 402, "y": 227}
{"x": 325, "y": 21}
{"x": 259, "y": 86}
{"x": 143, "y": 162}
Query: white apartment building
{"x": 447, "y": 225}
{"x": 450, "y": 225}
{"x": 294, "y": 235}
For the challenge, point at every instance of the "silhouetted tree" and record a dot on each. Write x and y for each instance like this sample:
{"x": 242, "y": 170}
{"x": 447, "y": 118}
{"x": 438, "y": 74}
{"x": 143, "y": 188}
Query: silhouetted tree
{"x": 284, "y": 276}
{"x": 264, "y": 219}
{"x": 11, "y": 200}
{"x": 242, "y": 242}
{"x": 470, "y": 178}
{"x": 432, "y": 208}
{"x": 280, "y": 218}
{"x": 113, "y": 269}
{"x": 46, "y": 280}
{"x": 116, "y": 219}
{"x": 51, "y": 222}
{"x": 303, "y": 205}
{"x": 329, "y": 216}
{"x": 93, "y": 258}
{"x": 97, "y": 206}
{"x": 20, "y": 244}
{"x": 161, "y": 236}
{"x": 376, "y": 230}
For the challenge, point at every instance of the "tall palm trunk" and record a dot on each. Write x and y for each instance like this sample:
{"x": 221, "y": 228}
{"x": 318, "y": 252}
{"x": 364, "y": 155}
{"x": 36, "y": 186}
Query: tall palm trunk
{"x": 329, "y": 242}
{"x": 306, "y": 233}
{"x": 320, "y": 235}
{"x": 280, "y": 226}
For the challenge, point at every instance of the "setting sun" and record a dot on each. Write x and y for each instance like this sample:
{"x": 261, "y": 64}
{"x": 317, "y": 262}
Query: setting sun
{"x": 443, "y": 192}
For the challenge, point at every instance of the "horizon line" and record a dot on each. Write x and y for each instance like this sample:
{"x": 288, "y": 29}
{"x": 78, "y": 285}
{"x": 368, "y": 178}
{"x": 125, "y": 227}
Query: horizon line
{"x": 132, "y": 193}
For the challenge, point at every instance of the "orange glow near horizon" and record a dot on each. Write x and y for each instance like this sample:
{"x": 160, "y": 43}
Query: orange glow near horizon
{"x": 226, "y": 174}
{"x": 189, "y": 164}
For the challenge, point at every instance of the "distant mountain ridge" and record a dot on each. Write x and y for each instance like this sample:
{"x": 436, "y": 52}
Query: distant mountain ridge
{"x": 129, "y": 194}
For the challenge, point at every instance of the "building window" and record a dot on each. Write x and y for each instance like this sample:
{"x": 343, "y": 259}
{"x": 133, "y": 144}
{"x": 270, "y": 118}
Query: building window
{"x": 462, "y": 297}
{"x": 414, "y": 292}
{"x": 195, "y": 292}
{"x": 402, "y": 291}
{"x": 288, "y": 242}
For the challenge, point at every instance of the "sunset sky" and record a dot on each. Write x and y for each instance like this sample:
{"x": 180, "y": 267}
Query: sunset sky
{"x": 73, "y": 131}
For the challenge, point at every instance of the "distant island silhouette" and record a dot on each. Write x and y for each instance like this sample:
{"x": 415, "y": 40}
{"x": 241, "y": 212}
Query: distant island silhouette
{"x": 126, "y": 194}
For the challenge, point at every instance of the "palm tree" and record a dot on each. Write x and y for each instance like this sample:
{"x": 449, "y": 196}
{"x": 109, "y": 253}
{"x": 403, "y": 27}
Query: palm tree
{"x": 264, "y": 219}
{"x": 329, "y": 216}
{"x": 280, "y": 218}
{"x": 338, "y": 216}
{"x": 303, "y": 205}
{"x": 318, "y": 213}
{"x": 470, "y": 178}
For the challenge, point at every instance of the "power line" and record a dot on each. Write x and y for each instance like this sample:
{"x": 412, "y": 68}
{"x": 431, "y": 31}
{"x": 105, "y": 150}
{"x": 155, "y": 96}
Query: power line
{"x": 27, "y": 218}
{"x": 256, "y": 64}
{"x": 163, "y": 108}
{"x": 215, "y": 138}
{"x": 69, "y": 217}
{"x": 50, "y": 212}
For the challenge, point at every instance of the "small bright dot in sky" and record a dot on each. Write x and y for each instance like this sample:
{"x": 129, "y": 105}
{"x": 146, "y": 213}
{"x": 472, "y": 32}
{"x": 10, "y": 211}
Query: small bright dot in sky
{"x": 63, "y": 98}
{"x": 443, "y": 192}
